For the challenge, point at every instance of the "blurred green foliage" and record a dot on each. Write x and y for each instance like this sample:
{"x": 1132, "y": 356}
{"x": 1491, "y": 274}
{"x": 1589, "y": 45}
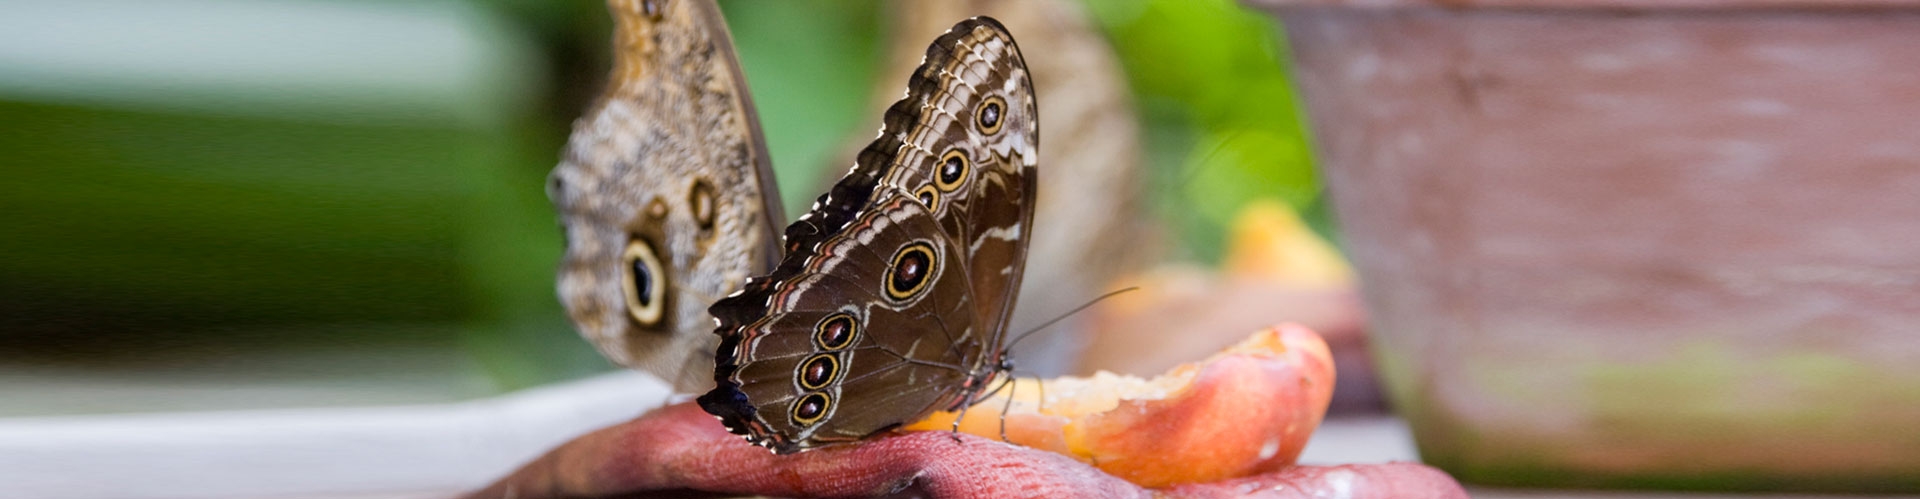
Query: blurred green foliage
{"x": 1220, "y": 110}
{"x": 360, "y": 176}
{"x": 139, "y": 230}
{"x": 809, "y": 65}
{"x": 162, "y": 218}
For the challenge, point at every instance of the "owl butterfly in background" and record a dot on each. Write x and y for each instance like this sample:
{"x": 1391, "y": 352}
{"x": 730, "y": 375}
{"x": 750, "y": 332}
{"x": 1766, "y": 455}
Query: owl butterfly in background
{"x": 665, "y": 193}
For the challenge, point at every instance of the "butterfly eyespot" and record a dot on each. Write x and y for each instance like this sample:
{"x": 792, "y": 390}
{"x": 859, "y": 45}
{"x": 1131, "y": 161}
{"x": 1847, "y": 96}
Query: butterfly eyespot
{"x": 645, "y": 283}
{"x": 990, "y": 114}
{"x": 809, "y": 408}
{"x": 654, "y": 9}
{"x": 835, "y": 332}
{"x": 928, "y": 196}
{"x": 952, "y": 169}
{"x": 700, "y": 200}
{"x": 657, "y": 209}
{"x": 913, "y": 267}
{"x": 816, "y": 372}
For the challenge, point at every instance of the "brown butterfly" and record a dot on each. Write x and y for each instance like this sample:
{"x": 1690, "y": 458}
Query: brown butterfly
{"x": 893, "y": 299}
{"x": 1093, "y": 143}
{"x": 665, "y": 192}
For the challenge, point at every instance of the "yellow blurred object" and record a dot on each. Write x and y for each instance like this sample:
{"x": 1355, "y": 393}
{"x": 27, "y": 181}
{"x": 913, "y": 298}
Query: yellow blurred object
{"x": 1276, "y": 270}
{"x": 1269, "y": 242}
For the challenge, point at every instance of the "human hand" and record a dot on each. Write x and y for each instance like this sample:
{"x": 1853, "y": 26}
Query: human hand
{"x": 681, "y": 451}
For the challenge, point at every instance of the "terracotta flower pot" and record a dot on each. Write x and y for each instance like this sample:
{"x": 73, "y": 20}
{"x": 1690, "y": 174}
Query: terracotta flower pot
{"x": 1640, "y": 243}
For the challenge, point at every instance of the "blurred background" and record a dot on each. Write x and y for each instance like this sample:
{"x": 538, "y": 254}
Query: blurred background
{"x": 267, "y": 204}
{"x": 1613, "y": 243}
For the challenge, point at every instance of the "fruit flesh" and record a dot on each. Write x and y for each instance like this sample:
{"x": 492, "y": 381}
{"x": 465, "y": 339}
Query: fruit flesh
{"x": 1246, "y": 410}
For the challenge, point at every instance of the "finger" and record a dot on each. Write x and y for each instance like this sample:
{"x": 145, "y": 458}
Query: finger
{"x": 679, "y": 448}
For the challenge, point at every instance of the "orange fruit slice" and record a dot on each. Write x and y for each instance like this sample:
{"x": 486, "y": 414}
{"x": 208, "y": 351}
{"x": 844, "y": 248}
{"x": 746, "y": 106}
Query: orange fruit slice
{"x": 1246, "y": 410}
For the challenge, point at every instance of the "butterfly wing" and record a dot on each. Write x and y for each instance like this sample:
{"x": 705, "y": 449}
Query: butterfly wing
{"x": 665, "y": 192}
{"x": 893, "y": 298}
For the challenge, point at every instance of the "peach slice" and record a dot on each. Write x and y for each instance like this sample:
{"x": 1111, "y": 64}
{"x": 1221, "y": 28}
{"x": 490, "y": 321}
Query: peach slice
{"x": 1246, "y": 410}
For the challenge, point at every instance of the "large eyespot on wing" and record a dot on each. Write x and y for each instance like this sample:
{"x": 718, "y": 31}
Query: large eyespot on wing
{"x": 818, "y": 371}
{"x": 987, "y": 115}
{"x": 836, "y": 332}
{"x": 954, "y": 167}
{"x": 811, "y": 408}
{"x": 911, "y": 268}
{"x": 928, "y": 195}
{"x": 645, "y": 283}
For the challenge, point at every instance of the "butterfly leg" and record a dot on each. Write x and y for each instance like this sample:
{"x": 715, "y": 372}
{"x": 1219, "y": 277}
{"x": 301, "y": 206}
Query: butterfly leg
{"x": 1007, "y": 407}
{"x": 956, "y": 422}
{"x": 1005, "y": 384}
{"x": 1006, "y": 366}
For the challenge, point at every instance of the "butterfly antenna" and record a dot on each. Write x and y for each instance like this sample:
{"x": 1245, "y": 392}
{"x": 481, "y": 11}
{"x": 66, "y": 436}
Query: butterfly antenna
{"x": 1110, "y": 294}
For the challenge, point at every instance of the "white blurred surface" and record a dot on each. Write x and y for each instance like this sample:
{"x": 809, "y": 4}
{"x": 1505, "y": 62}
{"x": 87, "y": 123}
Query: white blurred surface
{"x": 423, "y": 61}
{"x": 1360, "y": 440}
{"x": 405, "y": 451}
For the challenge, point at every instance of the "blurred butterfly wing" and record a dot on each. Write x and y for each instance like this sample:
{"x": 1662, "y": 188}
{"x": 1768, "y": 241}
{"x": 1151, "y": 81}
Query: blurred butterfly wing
{"x": 893, "y": 297}
{"x": 772, "y": 212}
{"x": 665, "y": 193}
